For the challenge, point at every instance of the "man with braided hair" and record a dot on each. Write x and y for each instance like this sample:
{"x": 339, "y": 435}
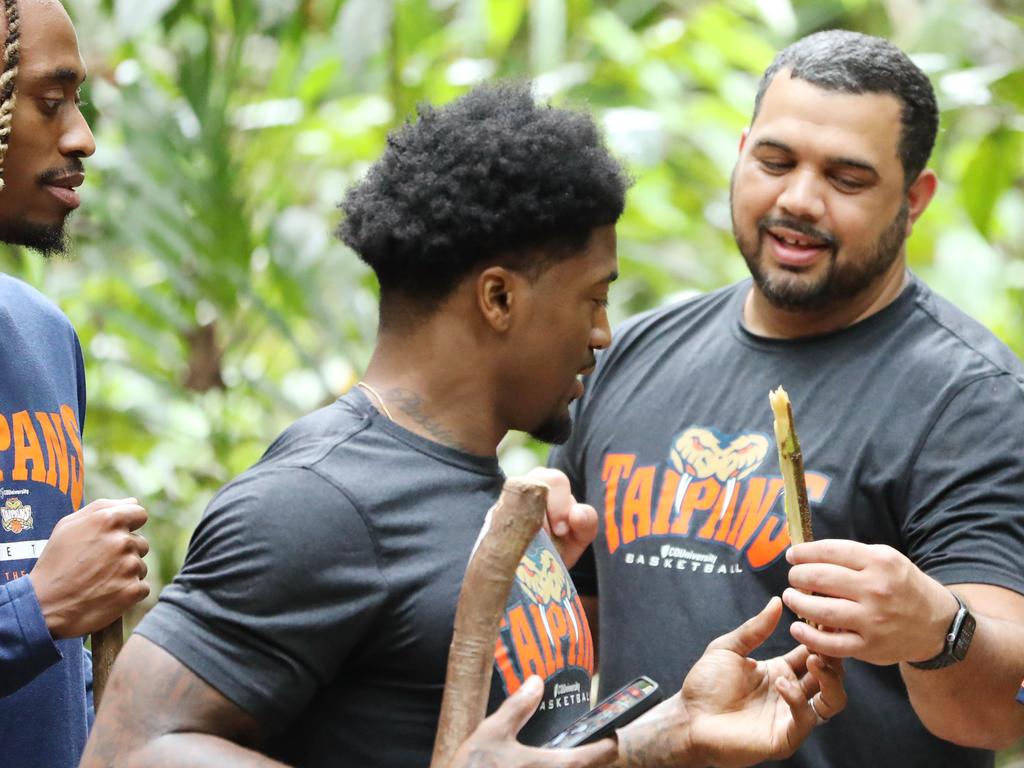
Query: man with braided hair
{"x": 63, "y": 574}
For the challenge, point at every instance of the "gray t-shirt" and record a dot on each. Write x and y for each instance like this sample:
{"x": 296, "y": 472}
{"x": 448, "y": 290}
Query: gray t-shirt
{"x": 912, "y": 428}
{"x": 319, "y": 594}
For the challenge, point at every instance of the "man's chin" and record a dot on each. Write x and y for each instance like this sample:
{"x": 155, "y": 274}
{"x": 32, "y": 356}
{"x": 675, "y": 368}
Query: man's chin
{"x": 48, "y": 239}
{"x": 794, "y": 292}
{"x": 553, "y": 431}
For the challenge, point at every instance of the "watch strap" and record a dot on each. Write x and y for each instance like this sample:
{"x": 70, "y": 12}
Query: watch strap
{"x": 958, "y": 639}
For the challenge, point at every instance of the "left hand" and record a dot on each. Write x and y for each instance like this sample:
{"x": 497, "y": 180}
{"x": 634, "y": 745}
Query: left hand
{"x": 874, "y": 603}
{"x": 744, "y": 711}
{"x": 571, "y": 525}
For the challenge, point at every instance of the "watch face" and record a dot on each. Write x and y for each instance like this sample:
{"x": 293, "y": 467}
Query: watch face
{"x": 964, "y": 636}
{"x": 961, "y": 632}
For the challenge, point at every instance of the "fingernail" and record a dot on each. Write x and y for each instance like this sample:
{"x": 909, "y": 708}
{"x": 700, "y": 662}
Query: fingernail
{"x": 533, "y": 685}
{"x": 789, "y": 555}
{"x": 561, "y": 529}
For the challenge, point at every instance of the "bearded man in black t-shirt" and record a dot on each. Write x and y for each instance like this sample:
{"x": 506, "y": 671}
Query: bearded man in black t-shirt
{"x": 911, "y": 419}
{"x": 311, "y": 620}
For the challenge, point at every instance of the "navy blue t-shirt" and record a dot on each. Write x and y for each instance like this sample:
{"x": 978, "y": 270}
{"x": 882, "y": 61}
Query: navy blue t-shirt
{"x": 44, "y": 709}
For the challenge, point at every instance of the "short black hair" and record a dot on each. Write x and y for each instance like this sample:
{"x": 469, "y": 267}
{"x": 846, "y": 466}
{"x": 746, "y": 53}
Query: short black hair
{"x": 486, "y": 177}
{"x": 840, "y": 60}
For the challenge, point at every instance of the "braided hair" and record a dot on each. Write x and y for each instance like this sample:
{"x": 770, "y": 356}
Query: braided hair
{"x": 8, "y": 98}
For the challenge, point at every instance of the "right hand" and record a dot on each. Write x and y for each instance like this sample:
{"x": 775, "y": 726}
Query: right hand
{"x": 571, "y": 525}
{"x": 91, "y": 570}
{"x": 493, "y": 744}
{"x": 744, "y": 711}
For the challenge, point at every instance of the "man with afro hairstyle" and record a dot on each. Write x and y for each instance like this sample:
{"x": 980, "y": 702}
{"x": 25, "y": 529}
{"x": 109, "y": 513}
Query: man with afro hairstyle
{"x": 63, "y": 573}
{"x": 311, "y": 620}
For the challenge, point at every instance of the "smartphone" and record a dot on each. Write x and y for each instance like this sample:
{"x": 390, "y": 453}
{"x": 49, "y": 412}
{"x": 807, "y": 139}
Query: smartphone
{"x": 622, "y": 707}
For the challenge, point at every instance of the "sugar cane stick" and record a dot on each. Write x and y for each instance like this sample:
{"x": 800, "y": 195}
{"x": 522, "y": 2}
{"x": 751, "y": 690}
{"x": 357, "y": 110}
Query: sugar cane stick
{"x": 106, "y": 644}
{"x": 791, "y": 462}
{"x": 513, "y": 523}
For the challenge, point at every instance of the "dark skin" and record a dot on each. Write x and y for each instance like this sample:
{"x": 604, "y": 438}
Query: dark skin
{"x": 441, "y": 380}
{"x": 49, "y": 138}
{"x": 451, "y": 378}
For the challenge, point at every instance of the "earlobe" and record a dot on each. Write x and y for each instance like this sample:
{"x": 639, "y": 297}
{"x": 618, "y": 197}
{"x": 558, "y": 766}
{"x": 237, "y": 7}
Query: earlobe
{"x": 920, "y": 195}
{"x": 495, "y": 295}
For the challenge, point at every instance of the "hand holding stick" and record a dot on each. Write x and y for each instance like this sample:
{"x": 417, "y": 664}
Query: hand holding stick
{"x": 511, "y": 525}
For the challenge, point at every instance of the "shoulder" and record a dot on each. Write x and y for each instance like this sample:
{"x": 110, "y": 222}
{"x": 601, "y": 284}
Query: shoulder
{"x": 303, "y": 479}
{"x": 26, "y": 305}
{"x": 686, "y": 318}
{"x": 956, "y": 342}
{"x": 309, "y": 440}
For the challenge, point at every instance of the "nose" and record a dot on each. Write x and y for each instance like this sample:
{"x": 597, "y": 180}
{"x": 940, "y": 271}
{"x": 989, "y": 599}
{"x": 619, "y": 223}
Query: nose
{"x": 802, "y": 198}
{"x": 77, "y": 139}
{"x": 601, "y": 332}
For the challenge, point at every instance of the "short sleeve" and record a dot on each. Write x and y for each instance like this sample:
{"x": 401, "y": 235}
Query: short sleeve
{"x": 280, "y": 582}
{"x": 965, "y": 489}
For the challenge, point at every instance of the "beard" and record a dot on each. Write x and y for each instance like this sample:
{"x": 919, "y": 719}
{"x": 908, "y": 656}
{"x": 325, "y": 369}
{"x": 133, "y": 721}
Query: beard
{"x": 554, "y": 430}
{"x": 840, "y": 282}
{"x": 48, "y": 239}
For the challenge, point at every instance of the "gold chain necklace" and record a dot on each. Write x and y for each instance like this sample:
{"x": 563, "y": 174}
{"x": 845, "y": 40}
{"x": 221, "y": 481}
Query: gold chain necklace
{"x": 377, "y": 397}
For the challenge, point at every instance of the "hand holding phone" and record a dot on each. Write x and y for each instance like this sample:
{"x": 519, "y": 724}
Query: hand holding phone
{"x": 614, "y": 712}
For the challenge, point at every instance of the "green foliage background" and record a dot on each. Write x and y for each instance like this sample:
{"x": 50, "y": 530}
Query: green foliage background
{"x": 215, "y": 306}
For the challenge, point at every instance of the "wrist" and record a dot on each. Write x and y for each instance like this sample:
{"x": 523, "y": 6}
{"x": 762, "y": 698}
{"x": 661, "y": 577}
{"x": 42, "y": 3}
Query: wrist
{"x": 942, "y": 610}
{"x": 50, "y": 614}
{"x": 662, "y": 738}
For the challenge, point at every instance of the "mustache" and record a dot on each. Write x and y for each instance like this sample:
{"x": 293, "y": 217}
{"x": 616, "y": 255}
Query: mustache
{"x": 797, "y": 226}
{"x": 74, "y": 166}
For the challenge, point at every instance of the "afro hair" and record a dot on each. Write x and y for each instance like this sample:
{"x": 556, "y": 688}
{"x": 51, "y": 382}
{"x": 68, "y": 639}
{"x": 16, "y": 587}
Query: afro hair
{"x": 488, "y": 177}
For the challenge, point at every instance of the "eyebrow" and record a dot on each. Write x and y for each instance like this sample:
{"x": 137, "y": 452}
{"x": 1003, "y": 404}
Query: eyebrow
{"x": 850, "y": 162}
{"x": 612, "y": 276}
{"x": 65, "y": 75}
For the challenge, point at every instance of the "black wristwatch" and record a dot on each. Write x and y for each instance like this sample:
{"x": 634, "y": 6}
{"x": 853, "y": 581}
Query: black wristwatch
{"x": 958, "y": 640}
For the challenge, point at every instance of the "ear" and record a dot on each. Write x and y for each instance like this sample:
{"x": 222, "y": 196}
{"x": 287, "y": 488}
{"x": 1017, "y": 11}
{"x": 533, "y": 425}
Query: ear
{"x": 920, "y": 195}
{"x": 497, "y": 291}
{"x": 743, "y": 138}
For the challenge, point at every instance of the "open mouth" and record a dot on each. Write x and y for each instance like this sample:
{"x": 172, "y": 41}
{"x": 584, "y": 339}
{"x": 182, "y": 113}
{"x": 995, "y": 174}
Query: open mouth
{"x": 794, "y": 249}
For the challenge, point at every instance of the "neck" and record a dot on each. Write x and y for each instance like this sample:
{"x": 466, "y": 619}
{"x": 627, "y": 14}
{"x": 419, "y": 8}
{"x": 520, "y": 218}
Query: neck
{"x": 430, "y": 385}
{"x": 763, "y": 318}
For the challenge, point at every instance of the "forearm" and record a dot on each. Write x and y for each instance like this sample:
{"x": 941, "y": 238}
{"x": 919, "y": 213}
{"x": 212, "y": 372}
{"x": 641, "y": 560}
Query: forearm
{"x": 156, "y": 712}
{"x": 660, "y": 739}
{"x": 182, "y": 750}
{"x": 973, "y": 703}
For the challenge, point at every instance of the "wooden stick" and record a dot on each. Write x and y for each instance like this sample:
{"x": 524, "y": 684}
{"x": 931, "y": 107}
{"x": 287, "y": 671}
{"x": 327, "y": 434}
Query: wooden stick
{"x": 791, "y": 462}
{"x": 106, "y": 644}
{"x": 512, "y": 524}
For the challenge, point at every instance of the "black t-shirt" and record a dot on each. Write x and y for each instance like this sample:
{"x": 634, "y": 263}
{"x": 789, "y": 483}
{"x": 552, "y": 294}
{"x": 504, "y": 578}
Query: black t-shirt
{"x": 319, "y": 594}
{"x": 912, "y": 429}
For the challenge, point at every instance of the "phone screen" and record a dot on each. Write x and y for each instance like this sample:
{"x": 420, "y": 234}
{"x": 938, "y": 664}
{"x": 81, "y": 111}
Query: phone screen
{"x": 622, "y": 707}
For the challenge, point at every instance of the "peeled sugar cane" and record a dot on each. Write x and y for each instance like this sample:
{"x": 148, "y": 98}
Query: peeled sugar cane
{"x": 791, "y": 462}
